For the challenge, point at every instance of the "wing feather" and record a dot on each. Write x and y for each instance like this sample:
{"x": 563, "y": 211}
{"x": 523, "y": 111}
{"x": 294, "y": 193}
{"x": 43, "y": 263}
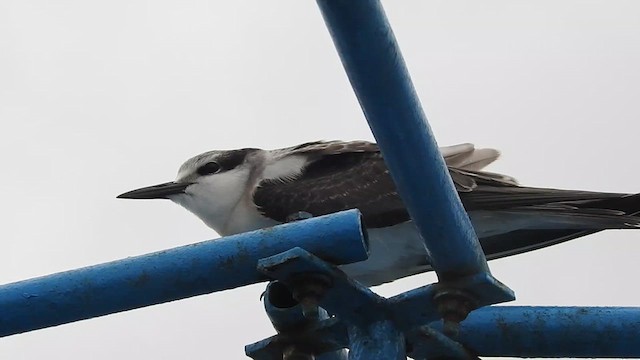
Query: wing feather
{"x": 346, "y": 175}
{"x": 333, "y": 183}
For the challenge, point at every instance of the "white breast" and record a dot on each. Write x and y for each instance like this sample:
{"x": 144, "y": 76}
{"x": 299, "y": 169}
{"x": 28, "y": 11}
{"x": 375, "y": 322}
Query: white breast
{"x": 394, "y": 252}
{"x": 246, "y": 217}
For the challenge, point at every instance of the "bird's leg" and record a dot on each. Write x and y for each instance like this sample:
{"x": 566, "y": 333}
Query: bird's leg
{"x": 311, "y": 288}
{"x": 300, "y": 215}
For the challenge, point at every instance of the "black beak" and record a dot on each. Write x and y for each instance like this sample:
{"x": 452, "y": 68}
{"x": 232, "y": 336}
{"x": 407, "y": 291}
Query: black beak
{"x": 161, "y": 191}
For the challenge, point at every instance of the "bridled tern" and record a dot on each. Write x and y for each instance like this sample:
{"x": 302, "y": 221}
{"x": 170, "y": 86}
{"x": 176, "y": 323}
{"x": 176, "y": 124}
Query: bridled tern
{"x": 234, "y": 191}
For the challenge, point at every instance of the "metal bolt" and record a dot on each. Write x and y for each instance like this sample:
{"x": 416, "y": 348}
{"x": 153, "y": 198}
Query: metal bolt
{"x": 308, "y": 289}
{"x": 454, "y": 306}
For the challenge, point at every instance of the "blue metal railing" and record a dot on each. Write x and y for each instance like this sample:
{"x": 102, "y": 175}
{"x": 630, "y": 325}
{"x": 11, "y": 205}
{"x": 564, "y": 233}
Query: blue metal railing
{"x": 316, "y": 309}
{"x": 173, "y": 274}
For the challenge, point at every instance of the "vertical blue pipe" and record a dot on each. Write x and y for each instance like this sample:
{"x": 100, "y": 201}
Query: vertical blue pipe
{"x": 376, "y": 69}
{"x": 376, "y": 340}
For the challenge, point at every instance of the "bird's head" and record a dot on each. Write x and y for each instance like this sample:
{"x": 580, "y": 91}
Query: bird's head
{"x": 210, "y": 185}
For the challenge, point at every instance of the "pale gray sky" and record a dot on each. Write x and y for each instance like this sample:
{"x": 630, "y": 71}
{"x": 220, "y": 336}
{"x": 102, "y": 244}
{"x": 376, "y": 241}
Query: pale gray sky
{"x": 97, "y": 98}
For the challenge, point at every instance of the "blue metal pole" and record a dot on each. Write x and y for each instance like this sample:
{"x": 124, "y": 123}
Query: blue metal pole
{"x": 173, "y": 274}
{"x": 572, "y": 332}
{"x": 376, "y": 69}
{"x": 377, "y": 340}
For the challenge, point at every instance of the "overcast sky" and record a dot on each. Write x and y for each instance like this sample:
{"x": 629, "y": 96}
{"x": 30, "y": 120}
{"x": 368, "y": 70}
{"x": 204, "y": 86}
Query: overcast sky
{"x": 97, "y": 98}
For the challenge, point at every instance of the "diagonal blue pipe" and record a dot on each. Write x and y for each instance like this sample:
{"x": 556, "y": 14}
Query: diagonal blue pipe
{"x": 173, "y": 274}
{"x": 376, "y": 69}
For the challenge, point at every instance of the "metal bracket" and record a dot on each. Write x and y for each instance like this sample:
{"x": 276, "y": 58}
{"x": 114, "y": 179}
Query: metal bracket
{"x": 390, "y": 327}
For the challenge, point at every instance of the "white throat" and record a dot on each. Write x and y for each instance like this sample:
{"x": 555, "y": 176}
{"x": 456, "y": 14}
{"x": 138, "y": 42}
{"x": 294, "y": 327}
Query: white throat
{"x": 215, "y": 198}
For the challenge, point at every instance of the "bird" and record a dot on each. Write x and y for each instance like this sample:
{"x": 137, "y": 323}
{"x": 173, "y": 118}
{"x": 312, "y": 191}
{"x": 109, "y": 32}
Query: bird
{"x": 234, "y": 191}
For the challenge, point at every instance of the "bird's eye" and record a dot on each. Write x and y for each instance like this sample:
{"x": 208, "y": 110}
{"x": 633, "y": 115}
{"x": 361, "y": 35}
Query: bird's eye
{"x": 208, "y": 168}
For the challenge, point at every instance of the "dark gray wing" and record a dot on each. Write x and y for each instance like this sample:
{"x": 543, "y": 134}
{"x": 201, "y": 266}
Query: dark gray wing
{"x": 353, "y": 175}
{"x": 333, "y": 183}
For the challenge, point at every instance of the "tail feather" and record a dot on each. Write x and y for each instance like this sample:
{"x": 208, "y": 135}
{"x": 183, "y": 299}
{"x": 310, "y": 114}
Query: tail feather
{"x": 467, "y": 157}
{"x": 565, "y": 217}
{"x": 628, "y": 203}
{"x": 521, "y": 241}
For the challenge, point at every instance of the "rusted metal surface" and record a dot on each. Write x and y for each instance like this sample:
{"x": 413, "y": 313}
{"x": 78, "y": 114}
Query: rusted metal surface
{"x": 299, "y": 336}
{"x": 375, "y": 326}
{"x": 490, "y": 331}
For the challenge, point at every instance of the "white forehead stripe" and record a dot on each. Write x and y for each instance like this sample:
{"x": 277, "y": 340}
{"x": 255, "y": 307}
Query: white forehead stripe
{"x": 189, "y": 167}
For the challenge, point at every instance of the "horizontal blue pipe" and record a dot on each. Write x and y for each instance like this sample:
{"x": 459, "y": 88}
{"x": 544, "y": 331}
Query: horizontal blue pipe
{"x": 173, "y": 274}
{"x": 376, "y": 69}
{"x": 571, "y": 332}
